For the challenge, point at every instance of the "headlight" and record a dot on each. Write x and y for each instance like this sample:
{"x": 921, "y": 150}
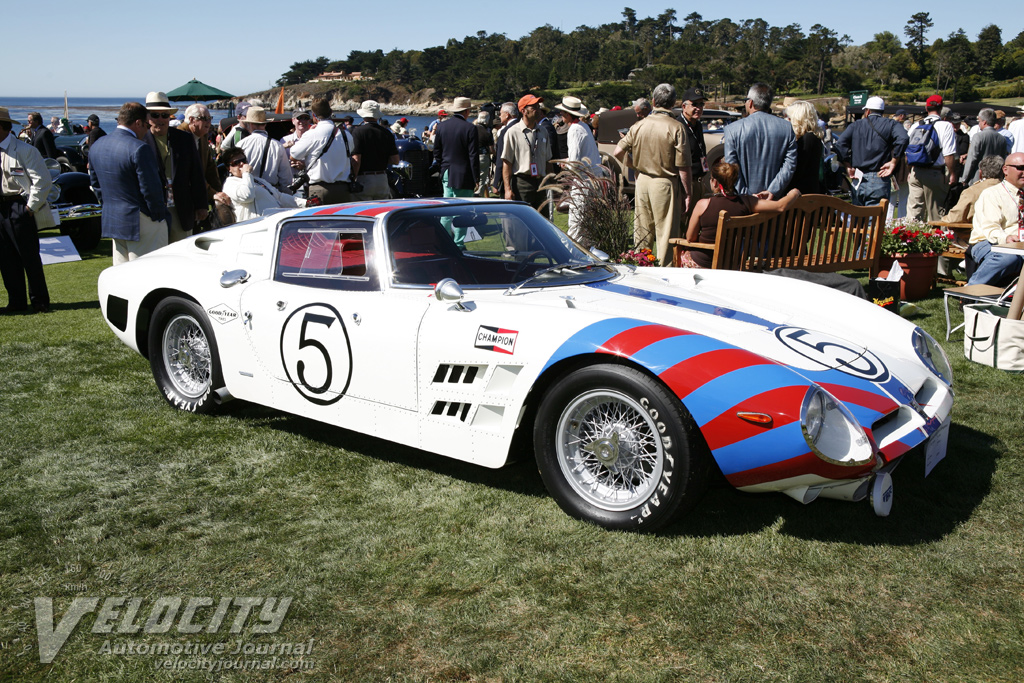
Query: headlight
{"x": 831, "y": 430}
{"x": 932, "y": 355}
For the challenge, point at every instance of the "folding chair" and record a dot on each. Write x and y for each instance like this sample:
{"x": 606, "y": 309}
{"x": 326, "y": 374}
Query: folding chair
{"x": 975, "y": 294}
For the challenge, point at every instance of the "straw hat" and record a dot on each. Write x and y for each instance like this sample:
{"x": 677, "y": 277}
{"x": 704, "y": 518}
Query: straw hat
{"x": 255, "y": 115}
{"x": 461, "y": 104}
{"x": 370, "y": 109}
{"x": 5, "y": 116}
{"x": 572, "y": 105}
{"x": 157, "y": 101}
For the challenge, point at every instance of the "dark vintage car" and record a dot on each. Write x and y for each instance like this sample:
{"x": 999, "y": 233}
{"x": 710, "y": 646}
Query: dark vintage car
{"x": 72, "y": 152}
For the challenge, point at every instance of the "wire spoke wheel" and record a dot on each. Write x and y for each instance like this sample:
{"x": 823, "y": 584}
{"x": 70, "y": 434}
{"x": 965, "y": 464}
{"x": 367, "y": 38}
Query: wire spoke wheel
{"x": 183, "y": 355}
{"x": 614, "y": 448}
{"x": 186, "y": 355}
{"x": 609, "y": 449}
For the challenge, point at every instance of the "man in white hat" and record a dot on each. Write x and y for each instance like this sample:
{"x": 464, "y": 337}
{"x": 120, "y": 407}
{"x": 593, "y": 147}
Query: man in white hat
{"x": 24, "y": 211}
{"x": 582, "y": 148}
{"x": 872, "y": 145}
{"x": 374, "y": 149}
{"x": 456, "y": 152}
{"x": 180, "y": 168}
{"x": 267, "y": 156}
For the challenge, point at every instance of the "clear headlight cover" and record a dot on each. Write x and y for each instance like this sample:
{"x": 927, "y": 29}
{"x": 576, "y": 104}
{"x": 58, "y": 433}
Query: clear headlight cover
{"x": 932, "y": 355}
{"x": 832, "y": 432}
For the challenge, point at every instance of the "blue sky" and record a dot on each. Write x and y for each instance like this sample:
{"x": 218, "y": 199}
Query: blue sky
{"x": 102, "y": 50}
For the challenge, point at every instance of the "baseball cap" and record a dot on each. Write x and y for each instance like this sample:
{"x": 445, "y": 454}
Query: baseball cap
{"x": 694, "y": 94}
{"x": 298, "y": 113}
{"x": 527, "y": 100}
{"x": 934, "y": 101}
{"x": 93, "y": 119}
{"x": 875, "y": 104}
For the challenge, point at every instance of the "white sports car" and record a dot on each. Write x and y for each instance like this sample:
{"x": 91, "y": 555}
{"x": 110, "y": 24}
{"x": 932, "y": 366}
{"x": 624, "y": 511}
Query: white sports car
{"x": 632, "y": 384}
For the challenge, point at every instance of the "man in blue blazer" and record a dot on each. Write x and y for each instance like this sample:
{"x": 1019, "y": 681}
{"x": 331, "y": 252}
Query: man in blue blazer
{"x": 123, "y": 170}
{"x": 455, "y": 149}
{"x": 763, "y": 145}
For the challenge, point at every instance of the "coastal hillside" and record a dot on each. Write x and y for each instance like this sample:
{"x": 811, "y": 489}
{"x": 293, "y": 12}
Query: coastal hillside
{"x": 395, "y": 98}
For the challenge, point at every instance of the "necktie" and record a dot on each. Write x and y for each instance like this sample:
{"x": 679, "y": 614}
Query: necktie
{"x": 1020, "y": 214}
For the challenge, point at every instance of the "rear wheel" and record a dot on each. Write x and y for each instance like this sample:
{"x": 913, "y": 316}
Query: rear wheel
{"x": 614, "y": 448}
{"x": 183, "y": 355}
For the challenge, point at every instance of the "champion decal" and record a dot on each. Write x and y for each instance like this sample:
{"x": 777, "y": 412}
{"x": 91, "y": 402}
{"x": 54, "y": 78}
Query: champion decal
{"x": 496, "y": 339}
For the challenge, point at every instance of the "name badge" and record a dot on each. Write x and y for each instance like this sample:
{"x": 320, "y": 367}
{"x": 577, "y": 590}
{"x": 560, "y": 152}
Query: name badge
{"x": 17, "y": 171}
{"x": 533, "y": 170}
{"x": 704, "y": 164}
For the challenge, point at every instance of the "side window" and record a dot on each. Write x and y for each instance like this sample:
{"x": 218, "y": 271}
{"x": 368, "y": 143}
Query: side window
{"x": 328, "y": 254}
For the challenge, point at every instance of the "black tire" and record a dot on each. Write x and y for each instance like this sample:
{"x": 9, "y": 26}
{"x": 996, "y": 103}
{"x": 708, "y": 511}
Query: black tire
{"x": 630, "y": 428}
{"x": 183, "y": 355}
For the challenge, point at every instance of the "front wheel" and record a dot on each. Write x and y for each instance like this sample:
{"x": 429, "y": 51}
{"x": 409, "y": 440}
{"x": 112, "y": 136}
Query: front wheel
{"x": 183, "y": 355}
{"x": 614, "y": 448}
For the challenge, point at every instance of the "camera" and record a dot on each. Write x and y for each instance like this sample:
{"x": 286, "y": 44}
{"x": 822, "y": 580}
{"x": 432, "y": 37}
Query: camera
{"x": 355, "y": 187}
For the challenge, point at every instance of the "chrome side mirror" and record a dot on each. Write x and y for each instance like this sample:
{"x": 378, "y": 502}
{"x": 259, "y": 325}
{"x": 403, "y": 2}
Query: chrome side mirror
{"x": 448, "y": 290}
{"x": 599, "y": 255}
{"x": 230, "y": 278}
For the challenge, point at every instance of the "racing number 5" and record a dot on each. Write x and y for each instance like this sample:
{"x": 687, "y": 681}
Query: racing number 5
{"x": 304, "y": 342}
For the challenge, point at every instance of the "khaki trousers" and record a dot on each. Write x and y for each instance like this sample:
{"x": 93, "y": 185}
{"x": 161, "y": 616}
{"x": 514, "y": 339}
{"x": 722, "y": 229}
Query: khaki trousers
{"x": 658, "y": 212}
{"x": 152, "y": 236}
{"x": 928, "y": 190}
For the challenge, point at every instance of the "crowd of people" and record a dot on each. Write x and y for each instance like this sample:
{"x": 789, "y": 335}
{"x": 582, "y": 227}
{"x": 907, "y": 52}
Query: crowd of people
{"x": 162, "y": 177}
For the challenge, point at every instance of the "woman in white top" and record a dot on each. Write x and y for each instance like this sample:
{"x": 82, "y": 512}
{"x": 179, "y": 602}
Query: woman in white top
{"x": 251, "y": 196}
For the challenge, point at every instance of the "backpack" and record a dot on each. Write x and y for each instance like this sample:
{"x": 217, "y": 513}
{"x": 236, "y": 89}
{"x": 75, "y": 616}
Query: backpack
{"x": 924, "y": 147}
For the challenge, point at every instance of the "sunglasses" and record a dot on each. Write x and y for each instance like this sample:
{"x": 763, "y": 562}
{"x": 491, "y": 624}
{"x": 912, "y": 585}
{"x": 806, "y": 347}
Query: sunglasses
{"x": 156, "y": 115}
{"x": 1016, "y": 166}
{"x": 237, "y": 162}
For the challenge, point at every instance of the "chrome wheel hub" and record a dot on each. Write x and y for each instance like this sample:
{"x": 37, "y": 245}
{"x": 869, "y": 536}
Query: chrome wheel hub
{"x": 187, "y": 356}
{"x": 609, "y": 449}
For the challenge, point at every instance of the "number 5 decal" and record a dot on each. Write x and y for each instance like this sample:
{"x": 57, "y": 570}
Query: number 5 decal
{"x": 833, "y": 353}
{"x": 316, "y": 353}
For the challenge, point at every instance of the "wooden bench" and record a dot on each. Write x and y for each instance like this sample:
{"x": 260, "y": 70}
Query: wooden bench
{"x": 817, "y": 233}
{"x": 955, "y": 252}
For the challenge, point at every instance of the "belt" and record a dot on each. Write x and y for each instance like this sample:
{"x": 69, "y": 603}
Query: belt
{"x": 14, "y": 199}
{"x": 372, "y": 172}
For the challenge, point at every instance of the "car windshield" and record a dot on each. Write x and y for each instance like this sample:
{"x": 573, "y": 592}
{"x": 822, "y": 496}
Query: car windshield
{"x": 502, "y": 245}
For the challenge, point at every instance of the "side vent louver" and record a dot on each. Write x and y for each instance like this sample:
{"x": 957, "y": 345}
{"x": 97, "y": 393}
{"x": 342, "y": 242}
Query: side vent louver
{"x": 451, "y": 409}
{"x": 456, "y": 374}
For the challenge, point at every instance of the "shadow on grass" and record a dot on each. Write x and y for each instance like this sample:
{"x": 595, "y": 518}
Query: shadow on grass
{"x": 519, "y": 476}
{"x": 74, "y": 306}
{"x": 924, "y": 509}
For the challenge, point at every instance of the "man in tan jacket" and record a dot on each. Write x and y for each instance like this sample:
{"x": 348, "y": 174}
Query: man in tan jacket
{"x": 24, "y": 210}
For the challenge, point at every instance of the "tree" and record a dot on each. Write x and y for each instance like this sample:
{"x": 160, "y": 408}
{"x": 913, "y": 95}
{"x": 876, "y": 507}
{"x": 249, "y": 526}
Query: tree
{"x": 988, "y": 47}
{"x": 303, "y": 72}
{"x": 916, "y": 31}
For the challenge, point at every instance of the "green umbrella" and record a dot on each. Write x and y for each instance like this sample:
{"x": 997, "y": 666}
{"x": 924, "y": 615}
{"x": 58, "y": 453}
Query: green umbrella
{"x": 197, "y": 90}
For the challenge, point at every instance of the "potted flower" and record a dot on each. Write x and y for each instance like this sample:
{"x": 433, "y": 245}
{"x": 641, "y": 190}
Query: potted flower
{"x": 917, "y": 247}
{"x": 637, "y": 257}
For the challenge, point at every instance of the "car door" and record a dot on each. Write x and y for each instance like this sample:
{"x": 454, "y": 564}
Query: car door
{"x": 329, "y": 341}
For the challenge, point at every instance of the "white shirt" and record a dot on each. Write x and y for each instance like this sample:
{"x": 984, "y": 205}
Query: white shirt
{"x": 332, "y": 167}
{"x": 582, "y": 146}
{"x": 995, "y": 214}
{"x": 947, "y": 137}
{"x": 277, "y": 171}
{"x": 251, "y": 197}
{"x": 1016, "y": 128}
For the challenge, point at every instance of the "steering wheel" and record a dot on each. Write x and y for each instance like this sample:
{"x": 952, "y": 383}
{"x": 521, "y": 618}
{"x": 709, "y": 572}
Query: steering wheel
{"x": 529, "y": 258}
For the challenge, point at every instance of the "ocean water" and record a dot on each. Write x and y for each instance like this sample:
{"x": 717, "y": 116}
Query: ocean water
{"x": 106, "y": 108}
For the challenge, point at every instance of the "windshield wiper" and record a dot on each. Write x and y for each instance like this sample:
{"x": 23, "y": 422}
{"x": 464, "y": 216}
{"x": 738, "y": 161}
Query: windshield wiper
{"x": 551, "y": 269}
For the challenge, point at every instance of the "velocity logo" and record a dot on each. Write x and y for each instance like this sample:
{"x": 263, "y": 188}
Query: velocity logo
{"x": 127, "y": 615}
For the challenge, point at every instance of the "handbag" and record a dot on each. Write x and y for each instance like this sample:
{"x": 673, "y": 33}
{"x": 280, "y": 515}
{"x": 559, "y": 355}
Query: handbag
{"x": 991, "y": 339}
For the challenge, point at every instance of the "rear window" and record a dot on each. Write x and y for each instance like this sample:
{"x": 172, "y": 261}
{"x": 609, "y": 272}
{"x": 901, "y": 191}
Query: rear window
{"x": 330, "y": 254}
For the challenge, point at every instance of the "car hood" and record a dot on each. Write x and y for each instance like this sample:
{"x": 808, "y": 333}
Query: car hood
{"x": 796, "y": 323}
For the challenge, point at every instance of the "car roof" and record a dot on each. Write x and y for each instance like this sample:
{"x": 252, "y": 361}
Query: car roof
{"x": 372, "y": 209}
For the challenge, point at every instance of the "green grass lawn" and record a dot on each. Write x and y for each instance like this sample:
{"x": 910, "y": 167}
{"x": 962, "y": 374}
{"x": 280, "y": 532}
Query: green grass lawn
{"x": 404, "y": 566}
